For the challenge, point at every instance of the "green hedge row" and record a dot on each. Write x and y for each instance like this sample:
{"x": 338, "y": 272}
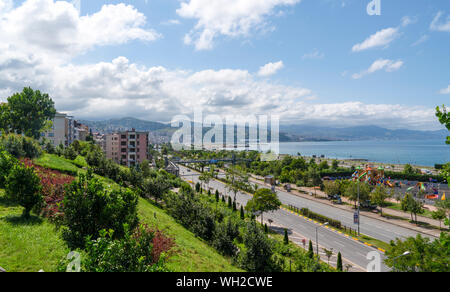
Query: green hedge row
{"x": 322, "y": 219}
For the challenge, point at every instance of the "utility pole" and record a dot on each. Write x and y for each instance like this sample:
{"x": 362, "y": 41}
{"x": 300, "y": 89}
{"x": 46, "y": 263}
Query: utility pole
{"x": 358, "y": 207}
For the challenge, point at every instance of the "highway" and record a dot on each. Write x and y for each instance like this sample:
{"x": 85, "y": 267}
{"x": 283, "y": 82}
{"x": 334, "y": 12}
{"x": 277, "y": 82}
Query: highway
{"x": 351, "y": 250}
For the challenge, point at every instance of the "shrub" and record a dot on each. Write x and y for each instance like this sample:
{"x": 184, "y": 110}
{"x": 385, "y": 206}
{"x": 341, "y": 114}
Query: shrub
{"x": 258, "y": 254}
{"x": 224, "y": 235}
{"x": 20, "y": 146}
{"x": 323, "y": 219}
{"x": 80, "y": 161}
{"x": 6, "y": 164}
{"x": 23, "y": 186}
{"x": 142, "y": 250}
{"x": 88, "y": 208}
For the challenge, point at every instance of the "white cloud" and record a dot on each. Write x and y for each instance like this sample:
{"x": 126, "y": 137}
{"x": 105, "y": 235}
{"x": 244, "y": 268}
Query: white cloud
{"x": 381, "y": 38}
{"x": 380, "y": 64}
{"x": 231, "y": 18}
{"x": 443, "y": 26}
{"x": 421, "y": 40}
{"x": 56, "y": 30}
{"x": 270, "y": 69}
{"x": 445, "y": 90}
{"x": 314, "y": 55}
{"x": 171, "y": 22}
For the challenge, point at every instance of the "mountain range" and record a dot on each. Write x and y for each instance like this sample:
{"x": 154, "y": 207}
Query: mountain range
{"x": 288, "y": 133}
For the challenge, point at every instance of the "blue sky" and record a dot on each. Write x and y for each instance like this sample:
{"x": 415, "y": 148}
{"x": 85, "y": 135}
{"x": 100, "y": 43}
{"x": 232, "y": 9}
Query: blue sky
{"x": 332, "y": 63}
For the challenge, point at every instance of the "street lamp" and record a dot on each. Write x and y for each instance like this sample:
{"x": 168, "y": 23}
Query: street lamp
{"x": 402, "y": 255}
{"x": 317, "y": 238}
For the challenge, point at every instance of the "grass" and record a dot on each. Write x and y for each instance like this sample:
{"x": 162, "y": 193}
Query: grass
{"x": 191, "y": 254}
{"x": 57, "y": 163}
{"x": 28, "y": 245}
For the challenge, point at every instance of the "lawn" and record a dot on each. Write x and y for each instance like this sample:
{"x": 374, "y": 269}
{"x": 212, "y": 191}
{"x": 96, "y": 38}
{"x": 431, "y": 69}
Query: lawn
{"x": 27, "y": 246}
{"x": 191, "y": 253}
{"x": 57, "y": 163}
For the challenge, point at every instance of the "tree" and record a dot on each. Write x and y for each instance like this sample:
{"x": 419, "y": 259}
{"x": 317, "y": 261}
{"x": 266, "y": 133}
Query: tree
{"x": 409, "y": 204}
{"x": 310, "y": 250}
{"x": 242, "y": 213}
{"x": 263, "y": 201}
{"x": 7, "y": 162}
{"x": 335, "y": 164}
{"x": 332, "y": 188}
{"x": 257, "y": 256}
{"x": 444, "y": 118}
{"x": 379, "y": 196}
{"x": 328, "y": 254}
{"x": 339, "y": 262}
{"x": 286, "y": 237}
{"x": 440, "y": 215}
{"x": 23, "y": 186}
{"x": 30, "y": 113}
{"x": 419, "y": 254}
{"x": 205, "y": 178}
{"x": 351, "y": 191}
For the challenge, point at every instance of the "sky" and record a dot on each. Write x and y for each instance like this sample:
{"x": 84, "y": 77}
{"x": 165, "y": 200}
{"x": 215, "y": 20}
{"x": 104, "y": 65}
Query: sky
{"x": 322, "y": 62}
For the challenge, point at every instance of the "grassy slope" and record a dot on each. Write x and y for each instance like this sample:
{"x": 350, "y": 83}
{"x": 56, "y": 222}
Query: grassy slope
{"x": 31, "y": 247}
{"x": 27, "y": 246}
{"x": 191, "y": 253}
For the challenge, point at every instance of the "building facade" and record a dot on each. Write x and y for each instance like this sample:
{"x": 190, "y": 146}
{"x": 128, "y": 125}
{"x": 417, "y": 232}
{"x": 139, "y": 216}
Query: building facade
{"x": 127, "y": 148}
{"x": 58, "y": 133}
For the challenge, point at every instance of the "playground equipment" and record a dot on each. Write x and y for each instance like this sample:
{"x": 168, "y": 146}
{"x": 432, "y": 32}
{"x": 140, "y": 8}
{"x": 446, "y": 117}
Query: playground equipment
{"x": 371, "y": 176}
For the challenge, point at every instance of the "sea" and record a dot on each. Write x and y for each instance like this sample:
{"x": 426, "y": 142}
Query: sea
{"x": 415, "y": 152}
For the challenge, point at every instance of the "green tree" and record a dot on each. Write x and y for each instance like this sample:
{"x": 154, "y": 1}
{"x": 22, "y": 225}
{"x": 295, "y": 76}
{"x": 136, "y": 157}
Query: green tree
{"x": 257, "y": 257}
{"x": 310, "y": 250}
{"x": 286, "y": 237}
{"x": 379, "y": 197}
{"x": 420, "y": 254}
{"x": 339, "y": 262}
{"x": 242, "y": 213}
{"x": 30, "y": 113}
{"x": 440, "y": 215}
{"x": 444, "y": 118}
{"x": 7, "y": 162}
{"x": 335, "y": 164}
{"x": 263, "y": 201}
{"x": 23, "y": 186}
{"x": 409, "y": 204}
{"x": 351, "y": 191}
{"x": 328, "y": 254}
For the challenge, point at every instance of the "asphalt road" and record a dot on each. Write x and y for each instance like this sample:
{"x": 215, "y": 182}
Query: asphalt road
{"x": 351, "y": 250}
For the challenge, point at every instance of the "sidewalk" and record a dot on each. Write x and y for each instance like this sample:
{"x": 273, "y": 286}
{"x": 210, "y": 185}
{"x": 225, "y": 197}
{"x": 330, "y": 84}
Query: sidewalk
{"x": 322, "y": 198}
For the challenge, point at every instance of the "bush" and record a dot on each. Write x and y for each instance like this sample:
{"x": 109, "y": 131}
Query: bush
{"x": 223, "y": 238}
{"x": 142, "y": 250}
{"x": 88, "y": 208}
{"x": 323, "y": 219}
{"x": 258, "y": 254}
{"x": 23, "y": 186}
{"x": 80, "y": 161}
{"x": 6, "y": 164}
{"x": 20, "y": 146}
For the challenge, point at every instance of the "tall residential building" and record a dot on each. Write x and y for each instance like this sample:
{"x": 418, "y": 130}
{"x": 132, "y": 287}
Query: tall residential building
{"x": 57, "y": 134}
{"x": 112, "y": 147}
{"x": 127, "y": 148}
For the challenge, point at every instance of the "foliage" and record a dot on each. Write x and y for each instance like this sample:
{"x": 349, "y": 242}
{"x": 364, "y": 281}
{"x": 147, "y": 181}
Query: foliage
{"x": 444, "y": 119}
{"x": 421, "y": 254}
{"x": 88, "y": 208}
{"x": 410, "y": 204}
{"x": 323, "y": 219}
{"x": 23, "y": 187}
{"x": 28, "y": 112}
{"x": 223, "y": 238}
{"x": 379, "y": 196}
{"x": 258, "y": 254}
{"x": 263, "y": 201}
{"x": 142, "y": 250}
{"x": 339, "y": 262}
{"x": 351, "y": 191}
{"x": 20, "y": 146}
{"x": 6, "y": 164}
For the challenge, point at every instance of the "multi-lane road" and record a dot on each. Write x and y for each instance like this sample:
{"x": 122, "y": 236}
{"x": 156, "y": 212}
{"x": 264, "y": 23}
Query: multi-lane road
{"x": 351, "y": 250}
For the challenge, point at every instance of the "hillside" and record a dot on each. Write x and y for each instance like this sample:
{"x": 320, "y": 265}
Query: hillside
{"x": 38, "y": 245}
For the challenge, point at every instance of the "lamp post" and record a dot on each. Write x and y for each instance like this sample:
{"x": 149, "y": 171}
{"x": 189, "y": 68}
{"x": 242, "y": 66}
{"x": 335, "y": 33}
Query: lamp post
{"x": 358, "y": 207}
{"x": 402, "y": 255}
{"x": 317, "y": 238}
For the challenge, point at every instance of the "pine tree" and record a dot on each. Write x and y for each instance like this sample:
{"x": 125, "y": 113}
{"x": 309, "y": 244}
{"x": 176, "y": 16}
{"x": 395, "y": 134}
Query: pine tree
{"x": 266, "y": 230}
{"x": 234, "y": 206}
{"x": 310, "y": 251}
{"x": 242, "y": 213}
{"x": 339, "y": 262}
{"x": 217, "y": 196}
{"x": 286, "y": 237}
{"x": 229, "y": 202}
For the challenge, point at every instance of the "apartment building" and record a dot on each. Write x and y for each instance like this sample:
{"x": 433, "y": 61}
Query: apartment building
{"x": 128, "y": 148}
{"x": 59, "y": 131}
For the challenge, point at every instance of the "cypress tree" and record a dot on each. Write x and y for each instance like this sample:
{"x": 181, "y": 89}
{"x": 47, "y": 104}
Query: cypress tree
{"x": 209, "y": 192}
{"x": 266, "y": 230}
{"x": 310, "y": 250}
{"x": 242, "y": 213}
{"x": 286, "y": 237}
{"x": 339, "y": 262}
{"x": 223, "y": 199}
{"x": 229, "y": 202}
{"x": 217, "y": 196}
{"x": 234, "y": 206}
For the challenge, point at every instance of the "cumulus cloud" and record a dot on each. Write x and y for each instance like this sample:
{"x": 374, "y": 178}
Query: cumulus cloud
{"x": 381, "y": 38}
{"x": 445, "y": 90}
{"x": 380, "y": 64}
{"x": 270, "y": 69}
{"x": 56, "y": 30}
{"x": 231, "y": 18}
{"x": 437, "y": 25}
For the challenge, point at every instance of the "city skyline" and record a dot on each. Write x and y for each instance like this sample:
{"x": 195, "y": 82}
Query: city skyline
{"x": 323, "y": 62}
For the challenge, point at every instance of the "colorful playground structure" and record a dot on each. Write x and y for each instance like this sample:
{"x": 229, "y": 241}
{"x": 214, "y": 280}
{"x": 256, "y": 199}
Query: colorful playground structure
{"x": 371, "y": 176}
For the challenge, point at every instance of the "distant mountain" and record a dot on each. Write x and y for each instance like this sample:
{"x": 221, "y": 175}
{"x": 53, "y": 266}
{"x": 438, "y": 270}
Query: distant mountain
{"x": 124, "y": 124}
{"x": 308, "y": 133}
{"x": 288, "y": 133}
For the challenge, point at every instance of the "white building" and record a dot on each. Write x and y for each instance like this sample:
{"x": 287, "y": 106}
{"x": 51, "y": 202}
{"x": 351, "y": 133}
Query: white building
{"x": 57, "y": 134}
